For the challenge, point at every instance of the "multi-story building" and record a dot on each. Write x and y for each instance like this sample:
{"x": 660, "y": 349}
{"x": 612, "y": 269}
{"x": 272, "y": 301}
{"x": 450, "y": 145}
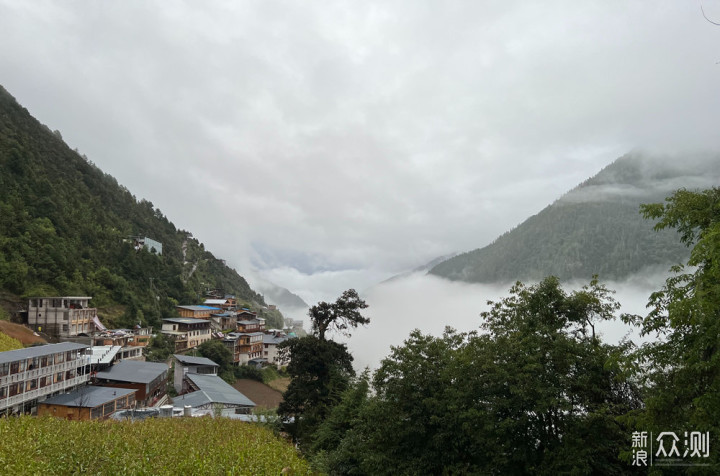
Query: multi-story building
{"x": 197, "y": 312}
{"x": 186, "y": 331}
{"x": 62, "y": 316}
{"x": 187, "y": 364}
{"x": 251, "y": 325}
{"x": 270, "y": 348}
{"x": 251, "y": 346}
{"x": 30, "y": 375}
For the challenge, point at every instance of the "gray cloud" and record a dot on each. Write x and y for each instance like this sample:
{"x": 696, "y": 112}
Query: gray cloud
{"x": 356, "y": 140}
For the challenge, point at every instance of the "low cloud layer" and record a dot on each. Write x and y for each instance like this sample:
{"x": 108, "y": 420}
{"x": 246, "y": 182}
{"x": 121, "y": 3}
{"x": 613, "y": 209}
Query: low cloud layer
{"x": 430, "y": 304}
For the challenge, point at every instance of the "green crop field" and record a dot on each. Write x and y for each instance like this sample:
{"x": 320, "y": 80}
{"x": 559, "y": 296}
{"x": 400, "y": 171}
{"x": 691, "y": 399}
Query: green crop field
{"x": 47, "y": 446}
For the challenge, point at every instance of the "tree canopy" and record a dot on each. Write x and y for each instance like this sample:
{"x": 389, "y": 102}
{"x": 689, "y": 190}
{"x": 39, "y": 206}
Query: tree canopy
{"x": 683, "y": 362}
{"x": 320, "y": 369}
{"x": 341, "y": 315}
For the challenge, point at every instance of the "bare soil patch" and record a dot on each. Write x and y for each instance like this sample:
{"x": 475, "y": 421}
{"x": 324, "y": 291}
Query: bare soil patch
{"x": 258, "y": 392}
{"x": 21, "y": 333}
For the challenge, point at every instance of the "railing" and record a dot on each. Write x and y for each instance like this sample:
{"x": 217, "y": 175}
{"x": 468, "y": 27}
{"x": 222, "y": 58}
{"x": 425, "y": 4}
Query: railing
{"x": 39, "y": 392}
{"x": 43, "y": 371}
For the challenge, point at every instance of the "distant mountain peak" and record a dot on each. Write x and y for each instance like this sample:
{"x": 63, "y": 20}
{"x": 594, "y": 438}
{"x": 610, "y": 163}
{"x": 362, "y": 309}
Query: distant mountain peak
{"x": 595, "y": 228}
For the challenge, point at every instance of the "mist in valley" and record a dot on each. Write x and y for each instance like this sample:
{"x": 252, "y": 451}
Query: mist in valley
{"x": 429, "y": 303}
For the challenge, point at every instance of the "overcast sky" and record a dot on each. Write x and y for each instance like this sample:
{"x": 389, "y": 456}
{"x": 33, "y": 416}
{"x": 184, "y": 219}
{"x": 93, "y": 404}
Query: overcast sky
{"x": 329, "y": 145}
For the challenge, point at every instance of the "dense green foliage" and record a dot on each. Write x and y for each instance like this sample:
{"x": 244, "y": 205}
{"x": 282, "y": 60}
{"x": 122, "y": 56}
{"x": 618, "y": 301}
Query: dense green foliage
{"x": 216, "y": 351}
{"x": 161, "y": 446}
{"x": 683, "y": 361}
{"x": 9, "y": 343}
{"x": 593, "y": 229}
{"x": 320, "y": 369}
{"x": 536, "y": 393}
{"x": 65, "y": 228}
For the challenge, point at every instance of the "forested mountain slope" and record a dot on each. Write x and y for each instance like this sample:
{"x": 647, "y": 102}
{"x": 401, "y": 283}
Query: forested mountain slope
{"x": 65, "y": 229}
{"x": 596, "y": 228}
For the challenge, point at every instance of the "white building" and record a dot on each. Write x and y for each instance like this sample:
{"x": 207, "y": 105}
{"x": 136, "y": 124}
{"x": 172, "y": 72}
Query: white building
{"x": 28, "y": 376}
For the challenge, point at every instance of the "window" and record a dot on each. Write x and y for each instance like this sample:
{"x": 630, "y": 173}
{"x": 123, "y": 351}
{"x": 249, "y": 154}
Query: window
{"x": 58, "y": 377}
{"x": 45, "y": 381}
{"x": 59, "y": 358}
{"x": 65, "y": 326}
{"x": 31, "y": 385}
{"x": 15, "y": 388}
{"x": 108, "y": 408}
{"x": 3, "y": 393}
{"x": 4, "y": 369}
{"x": 96, "y": 412}
{"x": 33, "y": 363}
{"x": 45, "y": 360}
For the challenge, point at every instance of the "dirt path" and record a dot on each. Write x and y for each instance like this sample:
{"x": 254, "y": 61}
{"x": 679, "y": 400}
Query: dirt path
{"x": 258, "y": 392}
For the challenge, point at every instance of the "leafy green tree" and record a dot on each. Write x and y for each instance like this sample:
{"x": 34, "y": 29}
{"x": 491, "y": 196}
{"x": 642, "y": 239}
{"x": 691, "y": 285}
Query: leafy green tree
{"x": 161, "y": 347}
{"x": 536, "y": 393}
{"x": 216, "y": 351}
{"x": 320, "y": 369}
{"x": 683, "y": 363}
{"x": 341, "y": 315}
{"x": 558, "y": 392}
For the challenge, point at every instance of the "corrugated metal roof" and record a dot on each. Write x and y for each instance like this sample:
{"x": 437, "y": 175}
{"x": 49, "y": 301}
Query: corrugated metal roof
{"x": 89, "y": 396}
{"x": 186, "y": 320}
{"x": 39, "y": 351}
{"x": 272, "y": 339}
{"x": 213, "y": 389}
{"x": 215, "y": 301}
{"x": 200, "y": 308}
{"x": 134, "y": 371}
{"x": 189, "y": 359}
{"x": 104, "y": 354}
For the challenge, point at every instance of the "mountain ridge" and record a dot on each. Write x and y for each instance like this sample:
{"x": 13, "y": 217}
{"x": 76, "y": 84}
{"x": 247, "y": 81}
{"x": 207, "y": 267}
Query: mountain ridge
{"x": 67, "y": 228}
{"x": 595, "y": 228}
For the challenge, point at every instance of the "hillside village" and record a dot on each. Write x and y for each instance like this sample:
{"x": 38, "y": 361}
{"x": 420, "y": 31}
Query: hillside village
{"x": 92, "y": 372}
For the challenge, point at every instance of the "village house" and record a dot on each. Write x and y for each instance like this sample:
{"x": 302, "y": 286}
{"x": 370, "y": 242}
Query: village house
{"x": 224, "y": 321}
{"x": 232, "y": 343}
{"x": 197, "y": 312}
{"x": 66, "y": 316}
{"x": 251, "y": 346}
{"x": 186, "y": 332}
{"x": 32, "y": 374}
{"x": 225, "y": 304}
{"x": 270, "y": 348}
{"x": 187, "y": 364}
{"x": 211, "y": 392}
{"x": 87, "y": 403}
{"x": 253, "y": 325}
{"x": 148, "y": 243}
{"x": 246, "y": 314}
{"x": 147, "y": 379}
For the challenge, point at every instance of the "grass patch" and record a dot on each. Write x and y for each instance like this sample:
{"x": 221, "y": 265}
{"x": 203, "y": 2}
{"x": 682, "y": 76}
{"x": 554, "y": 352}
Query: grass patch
{"x": 8, "y": 343}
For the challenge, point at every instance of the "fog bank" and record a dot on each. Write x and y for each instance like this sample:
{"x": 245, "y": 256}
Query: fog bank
{"x": 430, "y": 304}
